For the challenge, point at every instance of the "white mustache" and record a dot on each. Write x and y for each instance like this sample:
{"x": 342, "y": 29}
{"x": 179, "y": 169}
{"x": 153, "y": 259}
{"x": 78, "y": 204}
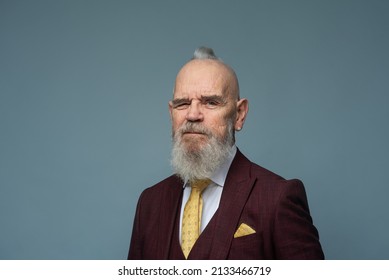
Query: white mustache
{"x": 193, "y": 128}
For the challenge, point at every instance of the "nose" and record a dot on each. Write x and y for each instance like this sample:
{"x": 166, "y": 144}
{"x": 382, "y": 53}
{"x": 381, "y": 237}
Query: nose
{"x": 194, "y": 113}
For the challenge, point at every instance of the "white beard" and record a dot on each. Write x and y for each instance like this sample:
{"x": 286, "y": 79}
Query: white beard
{"x": 200, "y": 162}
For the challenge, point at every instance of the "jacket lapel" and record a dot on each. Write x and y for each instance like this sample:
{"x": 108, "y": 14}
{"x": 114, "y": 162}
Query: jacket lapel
{"x": 235, "y": 194}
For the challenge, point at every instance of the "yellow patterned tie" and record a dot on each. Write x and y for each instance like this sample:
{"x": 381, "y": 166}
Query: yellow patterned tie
{"x": 191, "y": 220}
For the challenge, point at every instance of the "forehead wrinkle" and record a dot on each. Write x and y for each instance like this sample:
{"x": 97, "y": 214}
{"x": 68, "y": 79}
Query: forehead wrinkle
{"x": 198, "y": 93}
{"x": 218, "y": 85}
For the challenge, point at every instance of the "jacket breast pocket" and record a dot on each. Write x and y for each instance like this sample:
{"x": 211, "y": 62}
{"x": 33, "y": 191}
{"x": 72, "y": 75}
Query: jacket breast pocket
{"x": 248, "y": 247}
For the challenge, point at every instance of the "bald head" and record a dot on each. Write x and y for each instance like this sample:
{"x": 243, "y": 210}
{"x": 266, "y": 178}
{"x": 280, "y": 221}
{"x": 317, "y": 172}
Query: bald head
{"x": 205, "y": 64}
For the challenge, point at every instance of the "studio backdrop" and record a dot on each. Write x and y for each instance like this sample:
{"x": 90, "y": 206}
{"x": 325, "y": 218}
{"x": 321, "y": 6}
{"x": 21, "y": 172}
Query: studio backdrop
{"x": 84, "y": 122}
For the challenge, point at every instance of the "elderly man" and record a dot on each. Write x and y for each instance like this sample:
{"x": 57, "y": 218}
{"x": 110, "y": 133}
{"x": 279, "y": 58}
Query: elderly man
{"x": 218, "y": 204}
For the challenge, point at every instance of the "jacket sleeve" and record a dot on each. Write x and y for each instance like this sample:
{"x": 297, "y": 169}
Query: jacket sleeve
{"x": 135, "y": 251}
{"x": 295, "y": 236}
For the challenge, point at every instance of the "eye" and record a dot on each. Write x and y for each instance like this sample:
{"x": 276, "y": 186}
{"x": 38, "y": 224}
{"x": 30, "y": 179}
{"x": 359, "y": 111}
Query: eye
{"x": 212, "y": 102}
{"x": 181, "y": 104}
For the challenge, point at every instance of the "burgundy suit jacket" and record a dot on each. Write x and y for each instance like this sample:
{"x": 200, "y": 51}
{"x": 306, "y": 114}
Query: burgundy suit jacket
{"x": 277, "y": 209}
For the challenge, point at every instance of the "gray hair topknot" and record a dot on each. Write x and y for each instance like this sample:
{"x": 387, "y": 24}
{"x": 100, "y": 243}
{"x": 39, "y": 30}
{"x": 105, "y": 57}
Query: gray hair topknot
{"x": 205, "y": 53}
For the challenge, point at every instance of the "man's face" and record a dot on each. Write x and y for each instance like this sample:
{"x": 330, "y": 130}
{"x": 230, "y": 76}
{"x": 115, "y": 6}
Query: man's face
{"x": 204, "y": 104}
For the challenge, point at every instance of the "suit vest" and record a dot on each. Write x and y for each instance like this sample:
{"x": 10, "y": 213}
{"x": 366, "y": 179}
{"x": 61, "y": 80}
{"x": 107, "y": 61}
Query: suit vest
{"x": 201, "y": 249}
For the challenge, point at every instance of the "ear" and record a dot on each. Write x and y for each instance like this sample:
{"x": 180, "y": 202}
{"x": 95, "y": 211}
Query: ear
{"x": 242, "y": 110}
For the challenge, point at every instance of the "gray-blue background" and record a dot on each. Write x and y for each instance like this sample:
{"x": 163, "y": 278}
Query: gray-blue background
{"x": 84, "y": 87}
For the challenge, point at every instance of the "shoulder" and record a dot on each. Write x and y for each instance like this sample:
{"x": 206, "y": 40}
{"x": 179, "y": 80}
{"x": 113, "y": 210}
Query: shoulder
{"x": 266, "y": 179}
{"x": 243, "y": 167}
{"x": 279, "y": 192}
{"x": 167, "y": 185}
{"x": 156, "y": 197}
{"x": 273, "y": 178}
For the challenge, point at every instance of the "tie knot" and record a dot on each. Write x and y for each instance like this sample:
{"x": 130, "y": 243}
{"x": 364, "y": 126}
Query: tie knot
{"x": 200, "y": 185}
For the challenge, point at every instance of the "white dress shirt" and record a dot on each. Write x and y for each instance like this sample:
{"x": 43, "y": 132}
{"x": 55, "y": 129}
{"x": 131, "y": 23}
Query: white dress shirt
{"x": 211, "y": 195}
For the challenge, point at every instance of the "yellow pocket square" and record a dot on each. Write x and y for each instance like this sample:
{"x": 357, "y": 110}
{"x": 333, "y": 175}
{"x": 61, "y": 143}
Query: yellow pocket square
{"x": 244, "y": 230}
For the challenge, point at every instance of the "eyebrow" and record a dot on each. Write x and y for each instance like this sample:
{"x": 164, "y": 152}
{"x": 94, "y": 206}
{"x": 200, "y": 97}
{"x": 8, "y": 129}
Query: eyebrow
{"x": 214, "y": 97}
{"x": 178, "y": 101}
